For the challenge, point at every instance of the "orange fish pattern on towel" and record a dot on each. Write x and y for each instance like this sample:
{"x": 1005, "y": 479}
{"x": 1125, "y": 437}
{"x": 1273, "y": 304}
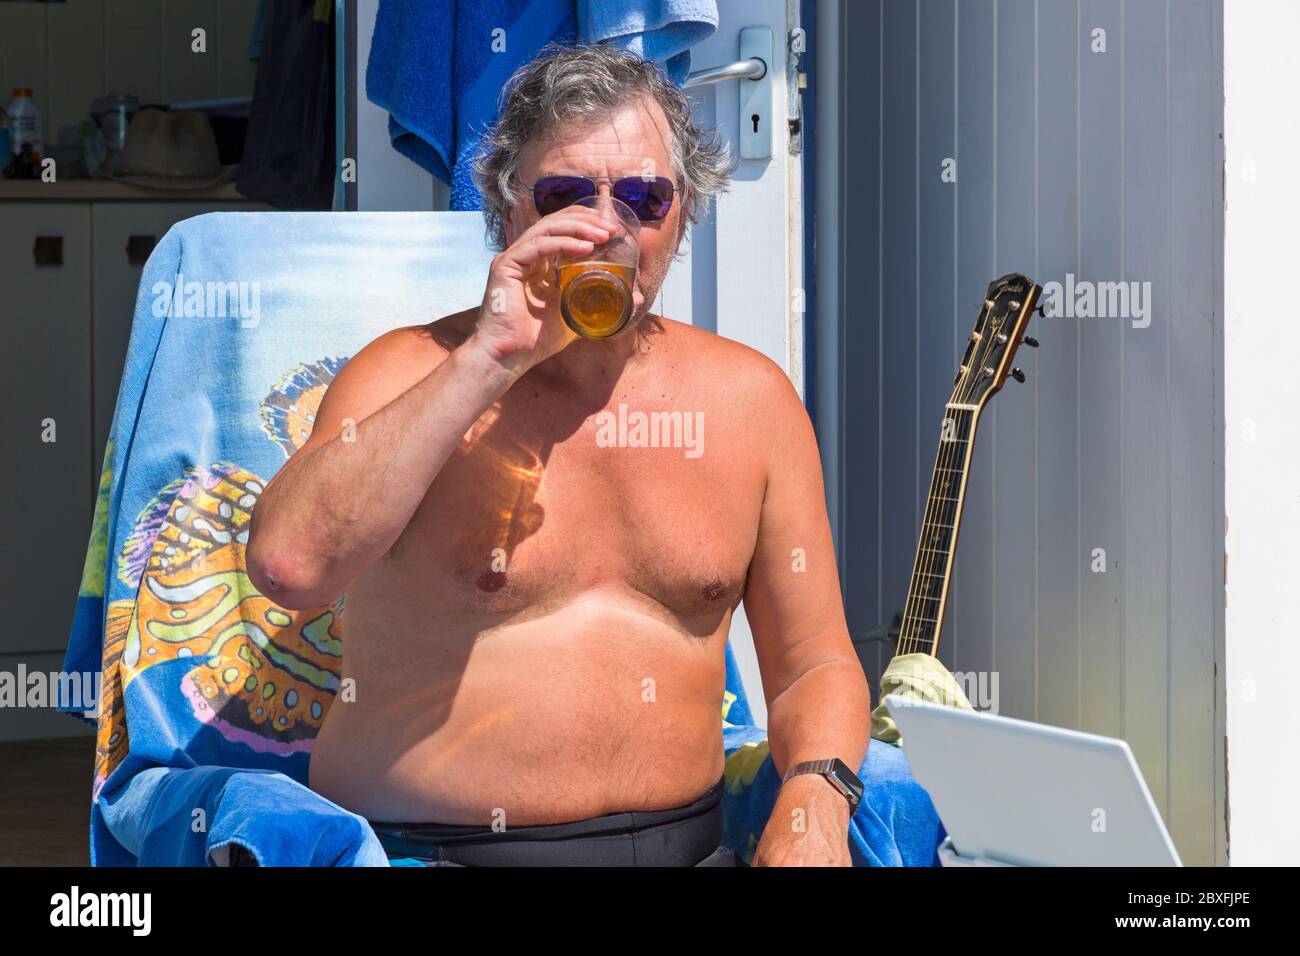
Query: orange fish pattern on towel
{"x": 263, "y": 675}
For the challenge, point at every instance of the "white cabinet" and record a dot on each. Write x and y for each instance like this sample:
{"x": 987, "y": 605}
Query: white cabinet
{"x": 46, "y": 481}
{"x": 69, "y": 272}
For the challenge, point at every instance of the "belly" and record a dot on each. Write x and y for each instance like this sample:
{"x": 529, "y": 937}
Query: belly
{"x": 596, "y": 707}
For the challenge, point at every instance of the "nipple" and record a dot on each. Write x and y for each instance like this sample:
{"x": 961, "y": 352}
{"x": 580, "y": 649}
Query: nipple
{"x": 491, "y": 581}
{"x": 714, "y": 589}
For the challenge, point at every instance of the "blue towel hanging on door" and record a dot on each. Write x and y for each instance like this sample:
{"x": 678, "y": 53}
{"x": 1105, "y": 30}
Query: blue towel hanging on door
{"x": 438, "y": 68}
{"x": 659, "y": 30}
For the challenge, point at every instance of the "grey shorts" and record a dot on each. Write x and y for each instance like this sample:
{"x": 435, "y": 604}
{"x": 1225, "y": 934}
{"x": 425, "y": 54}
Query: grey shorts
{"x": 689, "y": 835}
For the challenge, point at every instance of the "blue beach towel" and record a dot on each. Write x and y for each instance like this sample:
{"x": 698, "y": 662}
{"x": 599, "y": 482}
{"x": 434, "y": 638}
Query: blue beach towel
{"x": 659, "y": 30}
{"x": 438, "y": 66}
{"x": 213, "y": 695}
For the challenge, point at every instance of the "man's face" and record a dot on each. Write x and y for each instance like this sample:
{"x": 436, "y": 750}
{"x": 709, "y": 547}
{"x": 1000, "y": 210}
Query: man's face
{"x": 634, "y": 141}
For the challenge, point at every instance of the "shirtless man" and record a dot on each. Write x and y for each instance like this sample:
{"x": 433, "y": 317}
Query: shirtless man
{"x": 536, "y": 622}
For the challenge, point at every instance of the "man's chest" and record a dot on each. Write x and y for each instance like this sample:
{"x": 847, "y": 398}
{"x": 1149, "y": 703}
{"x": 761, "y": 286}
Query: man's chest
{"x": 655, "y": 505}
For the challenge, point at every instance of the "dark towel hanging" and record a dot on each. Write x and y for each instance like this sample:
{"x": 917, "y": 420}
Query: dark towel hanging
{"x": 288, "y": 159}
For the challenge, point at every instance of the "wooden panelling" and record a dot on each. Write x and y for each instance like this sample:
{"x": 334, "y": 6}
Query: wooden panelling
{"x": 133, "y": 48}
{"x": 1194, "y": 356}
{"x": 901, "y": 482}
{"x": 235, "y": 72}
{"x": 22, "y": 53}
{"x": 71, "y": 53}
{"x": 1012, "y": 437}
{"x": 938, "y": 317}
{"x": 74, "y": 59}
{"x": 860, "y": 353}
{"x": 187, "y": 74}
{"x": 1070, "y": 160}
{"x": 1056, "y": 379}
{"x": 973, "y": 638}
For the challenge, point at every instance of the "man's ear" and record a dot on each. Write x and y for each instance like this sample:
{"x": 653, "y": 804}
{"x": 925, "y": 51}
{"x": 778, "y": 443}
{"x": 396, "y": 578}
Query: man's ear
{"x": 682, "y": 219}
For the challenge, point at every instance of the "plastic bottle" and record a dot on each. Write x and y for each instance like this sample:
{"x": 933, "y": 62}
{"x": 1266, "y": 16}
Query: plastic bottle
{"x": 28, "y": 129}
{"x": 6, "y": 150}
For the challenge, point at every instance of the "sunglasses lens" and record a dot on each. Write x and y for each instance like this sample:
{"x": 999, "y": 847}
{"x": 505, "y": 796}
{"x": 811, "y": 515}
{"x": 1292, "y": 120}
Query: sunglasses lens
{"x": 650, "y": 199}
{"x": 553, "y": 193}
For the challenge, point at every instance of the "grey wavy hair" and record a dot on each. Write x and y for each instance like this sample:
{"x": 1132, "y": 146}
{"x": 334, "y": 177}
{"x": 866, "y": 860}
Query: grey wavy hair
{"x": 585, "y": 83}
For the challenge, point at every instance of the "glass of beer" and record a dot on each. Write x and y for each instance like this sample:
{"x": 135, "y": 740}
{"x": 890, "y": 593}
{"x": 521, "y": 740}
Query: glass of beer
{"x": 596, "y": 289}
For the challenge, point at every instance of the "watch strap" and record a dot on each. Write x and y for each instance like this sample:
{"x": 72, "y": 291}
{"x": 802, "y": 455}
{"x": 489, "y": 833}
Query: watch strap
{"x": 837, "y": 774}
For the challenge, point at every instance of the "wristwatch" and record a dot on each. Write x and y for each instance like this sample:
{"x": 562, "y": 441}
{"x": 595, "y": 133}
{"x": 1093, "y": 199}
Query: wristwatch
{"x": 837, "y": 772}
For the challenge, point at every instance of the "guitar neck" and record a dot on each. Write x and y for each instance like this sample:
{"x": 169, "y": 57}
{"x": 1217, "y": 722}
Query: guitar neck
{"x": 927, "y": 593}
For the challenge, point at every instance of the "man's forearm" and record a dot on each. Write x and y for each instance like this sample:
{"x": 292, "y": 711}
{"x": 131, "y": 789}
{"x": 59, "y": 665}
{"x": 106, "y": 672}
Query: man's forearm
{"x": 330, "y": 514}
{"x": 825, "y": 713}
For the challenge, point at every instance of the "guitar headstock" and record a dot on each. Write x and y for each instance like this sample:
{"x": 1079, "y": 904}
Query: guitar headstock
{"x": 1009, "y": 304}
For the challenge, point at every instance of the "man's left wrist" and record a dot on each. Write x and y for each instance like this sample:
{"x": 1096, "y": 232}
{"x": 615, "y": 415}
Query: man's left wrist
{"x": 811, "y": 790}
{"x": 835, "y": 773}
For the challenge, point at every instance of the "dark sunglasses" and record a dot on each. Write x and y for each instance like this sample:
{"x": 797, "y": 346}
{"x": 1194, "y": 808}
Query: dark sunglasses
{"x": 650, "y": 197}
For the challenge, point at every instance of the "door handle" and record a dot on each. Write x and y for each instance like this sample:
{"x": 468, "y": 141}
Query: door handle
{"x": 752, "y": 69}
{"x": 138, "y": 249}
{"x": 48, "y": 251}
{"x": 757, "y": 116}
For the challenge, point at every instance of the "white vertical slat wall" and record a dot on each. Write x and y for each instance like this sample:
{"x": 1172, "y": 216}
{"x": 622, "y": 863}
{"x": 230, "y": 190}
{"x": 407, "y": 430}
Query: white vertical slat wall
{"x": 1103, "y": 165}
{"x": 72, "y": 53}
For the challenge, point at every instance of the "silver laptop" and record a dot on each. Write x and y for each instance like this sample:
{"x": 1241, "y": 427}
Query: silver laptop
{"x": 1016, "y": 792}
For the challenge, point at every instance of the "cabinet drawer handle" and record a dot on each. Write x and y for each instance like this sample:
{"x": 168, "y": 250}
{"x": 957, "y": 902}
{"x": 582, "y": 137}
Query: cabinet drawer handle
{"x": 48, "y": 251}
{"x": 138, "y": 249}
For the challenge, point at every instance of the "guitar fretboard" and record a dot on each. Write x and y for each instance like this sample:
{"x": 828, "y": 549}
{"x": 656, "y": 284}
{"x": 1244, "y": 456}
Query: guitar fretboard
{"x": 928, "y": 590}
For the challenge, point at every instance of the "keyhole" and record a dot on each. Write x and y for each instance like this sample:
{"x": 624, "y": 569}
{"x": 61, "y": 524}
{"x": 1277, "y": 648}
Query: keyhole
{"x": 755, "y": 119}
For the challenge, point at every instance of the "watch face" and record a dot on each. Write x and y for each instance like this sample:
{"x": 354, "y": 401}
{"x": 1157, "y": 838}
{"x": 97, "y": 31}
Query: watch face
{"x": 848, "y": 777}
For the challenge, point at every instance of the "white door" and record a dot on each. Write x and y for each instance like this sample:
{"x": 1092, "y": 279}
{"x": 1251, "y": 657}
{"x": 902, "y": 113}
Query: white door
{"x": 742, "y": 273}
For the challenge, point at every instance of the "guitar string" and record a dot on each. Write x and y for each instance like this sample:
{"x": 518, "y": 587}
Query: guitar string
{"x": 912, "y": 598}
{"x": 952, "y": 508}
{"x": 938, "y": 560}
{"x": 914, "y": 620}
{"x": 936, "y": 534}
{"x": 963, "y": 454}
{"x": 928, "y": 629}
{"x": 920, "y": 566}
{"x": 934, "y": 512}
{"x": 949, "y": 454}
{"x": 924, "y": 564}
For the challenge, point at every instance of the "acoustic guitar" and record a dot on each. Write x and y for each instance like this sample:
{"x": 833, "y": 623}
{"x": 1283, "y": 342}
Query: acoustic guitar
{"x": 1009, "y": 303}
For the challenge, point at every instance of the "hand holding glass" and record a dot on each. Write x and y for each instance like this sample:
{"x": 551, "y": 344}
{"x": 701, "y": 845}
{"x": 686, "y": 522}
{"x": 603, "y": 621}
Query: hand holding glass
{"x": 596, "y": 288}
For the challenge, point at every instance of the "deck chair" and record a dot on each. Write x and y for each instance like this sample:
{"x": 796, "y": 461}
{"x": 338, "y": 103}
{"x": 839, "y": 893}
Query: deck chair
{"x": 211, "y": 695}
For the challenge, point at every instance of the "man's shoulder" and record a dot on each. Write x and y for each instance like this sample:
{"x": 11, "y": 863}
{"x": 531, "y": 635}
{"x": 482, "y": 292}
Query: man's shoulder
{"x": 743, "y": 371}
{"x": 393, "y": 362}
{"x": 419, "y": 342}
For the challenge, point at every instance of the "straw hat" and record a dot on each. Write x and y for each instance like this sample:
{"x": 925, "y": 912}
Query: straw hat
{"x": 171, "y": 151}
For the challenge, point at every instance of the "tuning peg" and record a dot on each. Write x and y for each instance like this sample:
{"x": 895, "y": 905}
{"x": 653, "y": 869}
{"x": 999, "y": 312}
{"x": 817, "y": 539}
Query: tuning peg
{"x": 1018, "y": 375}
{"x": 1030, "y": 341}
{"x": 1040, "y": 310}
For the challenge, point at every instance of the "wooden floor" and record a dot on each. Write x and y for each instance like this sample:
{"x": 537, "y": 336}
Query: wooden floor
{"x": 45, "y": 801}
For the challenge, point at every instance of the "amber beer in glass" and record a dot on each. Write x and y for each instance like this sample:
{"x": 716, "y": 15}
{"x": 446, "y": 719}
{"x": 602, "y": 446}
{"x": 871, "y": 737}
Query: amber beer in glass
{"x": 596, "y": 289}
